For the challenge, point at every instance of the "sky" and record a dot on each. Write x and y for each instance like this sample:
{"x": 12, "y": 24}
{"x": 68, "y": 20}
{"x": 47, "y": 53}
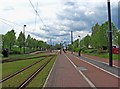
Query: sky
{"x": 55, "y": 19}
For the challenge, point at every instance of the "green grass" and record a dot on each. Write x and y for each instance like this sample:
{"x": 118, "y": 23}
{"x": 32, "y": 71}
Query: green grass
{"x": 103, "y": 55}
{"x": 0, "y": 71}
{"x": 17, "y": 56}
{"x": 23, "y": 56}
{"x": 39, "y": 80}
{"x": 17, "y": 49}
{"x": 18, "y": 79}
{"x": 11, "y": 67}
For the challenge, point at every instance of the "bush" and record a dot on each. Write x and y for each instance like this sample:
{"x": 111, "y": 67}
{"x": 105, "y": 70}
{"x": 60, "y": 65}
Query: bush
{"x": 76, "y": 49}
{"x": 90, "y": 51}
{"x": 14, "y": 52}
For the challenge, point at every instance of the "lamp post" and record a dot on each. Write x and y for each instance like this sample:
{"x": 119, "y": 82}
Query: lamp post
{"x": 110, "y": 34}
{"x": 79, "y": 41}
{"x": 24, "y": 38}
{"x": 79, "y": 47}
{"x": 72, "y": 42}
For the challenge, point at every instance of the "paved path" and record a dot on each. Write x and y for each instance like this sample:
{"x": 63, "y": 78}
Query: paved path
{"x": 98, "y": 77}
{"x": 65, "y": 75}
{"x": 116, "y": 63}
{"x": 72, "y": 71}
{"x": 105, "y": 60}
{"x": 113, "y": 70}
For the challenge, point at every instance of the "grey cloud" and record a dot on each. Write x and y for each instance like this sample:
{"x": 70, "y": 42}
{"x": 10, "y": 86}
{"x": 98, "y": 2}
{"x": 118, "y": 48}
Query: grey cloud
{"x": 41, "y": 36}
{"x": 69, "y": 3}
{"x": 74, "y": 15}
{"x": 62, "y": 35}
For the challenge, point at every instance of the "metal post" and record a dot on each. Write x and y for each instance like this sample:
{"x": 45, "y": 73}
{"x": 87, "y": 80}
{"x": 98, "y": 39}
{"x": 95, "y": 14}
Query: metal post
{"x": 79, "y": 41}
{"x": 72, "y": 41}
{"x": 110, "y": 34}
{"x": 79, "y": 47}
{"x": 24, "y": 38}
{"x": 119, "y": 31}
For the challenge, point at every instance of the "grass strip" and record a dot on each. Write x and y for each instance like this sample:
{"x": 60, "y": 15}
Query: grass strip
{"x": 18, "y": 79}
{"x": 11, "y": 67}
{"x": 104, "y": 55}
{"x": 39, "y": 80}
{"x": 23, "y": 56}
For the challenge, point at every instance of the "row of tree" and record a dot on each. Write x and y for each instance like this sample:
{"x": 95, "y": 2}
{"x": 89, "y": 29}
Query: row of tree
{"x": 99, "y": 39}
{"x": 9, "y": 40}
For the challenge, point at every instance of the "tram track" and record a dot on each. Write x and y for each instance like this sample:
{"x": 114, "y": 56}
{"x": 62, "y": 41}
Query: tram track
{"x": 21, "y": 70}
{"x": 13, "y": 60}
{"x": 33, "y": 75}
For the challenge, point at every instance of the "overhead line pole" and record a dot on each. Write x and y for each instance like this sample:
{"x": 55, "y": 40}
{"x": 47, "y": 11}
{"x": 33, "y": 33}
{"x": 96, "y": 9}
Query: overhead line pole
{"x": 36, "y": 12}
{"x": 72, "y": 41}
{"x": 110, "y": 34}
{"x": 79, "y": 53}
{"x": 24, "y": 38}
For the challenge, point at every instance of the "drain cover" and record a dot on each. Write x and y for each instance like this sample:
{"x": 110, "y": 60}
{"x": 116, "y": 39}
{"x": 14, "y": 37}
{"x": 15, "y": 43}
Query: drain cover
{"x": 81, "y": 68}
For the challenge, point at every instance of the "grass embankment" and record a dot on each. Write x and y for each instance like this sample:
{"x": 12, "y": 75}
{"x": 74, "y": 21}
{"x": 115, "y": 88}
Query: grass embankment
{"x": 17, "y": 50}
{"x": 101, "y": 55}
{"x": 12, "y": 67}
{"x": 18, "y": 79}
{"x": 41, "y": 77}
{"x": 23, "y": 56}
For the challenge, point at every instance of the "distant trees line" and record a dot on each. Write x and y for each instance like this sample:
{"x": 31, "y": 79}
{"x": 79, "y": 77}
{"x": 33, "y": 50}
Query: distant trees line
{"x": 99, "y": 39}
{"x": 10, "y": 41}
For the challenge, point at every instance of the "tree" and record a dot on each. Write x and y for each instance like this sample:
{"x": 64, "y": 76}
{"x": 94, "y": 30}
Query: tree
{"x": 119, "y": 39}
{"x": 86, "y": 41}
{"x": 76, "y": 43}
{"x": 28, "y": 41}
{"x": 100, "y": 36}
{"x": 3, "y": 41}
{"x": 57, "y": 46}
{"x": 115, "y": 34}
{"x": 94, "y": 36}
{"x": 20, "y": 40}
{"x": 9, "y": 39}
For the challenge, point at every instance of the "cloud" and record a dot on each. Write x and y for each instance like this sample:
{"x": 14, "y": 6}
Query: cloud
{"x": 59, "y": 17}
{"x": 62, "y": 35}
{"x": 77, "y": 15}
{"x": 40, "y": 35}
{"x": 9, "y": 8}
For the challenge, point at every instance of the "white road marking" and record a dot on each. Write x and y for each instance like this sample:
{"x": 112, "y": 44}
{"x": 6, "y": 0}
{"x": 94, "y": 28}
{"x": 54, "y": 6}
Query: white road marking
{"x": 100, "y": 68}
{"x": 89, "y": 82}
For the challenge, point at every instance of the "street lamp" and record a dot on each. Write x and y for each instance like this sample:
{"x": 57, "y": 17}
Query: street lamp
{"x": 79, "y": 47}
{"x": 24, "y": 38}
{"x": 79, "y": 41}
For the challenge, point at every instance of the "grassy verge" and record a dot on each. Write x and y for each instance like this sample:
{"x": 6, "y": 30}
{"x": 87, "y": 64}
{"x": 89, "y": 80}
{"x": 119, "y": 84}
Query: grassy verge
{"x": 11, "y": 67}
{"x": 18, "y": 79}
{"x": 14, "y": 56}
{"x": 39, "y": 80}
{"x": 105, "y": 55}
{"x": 23, "y": 56}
